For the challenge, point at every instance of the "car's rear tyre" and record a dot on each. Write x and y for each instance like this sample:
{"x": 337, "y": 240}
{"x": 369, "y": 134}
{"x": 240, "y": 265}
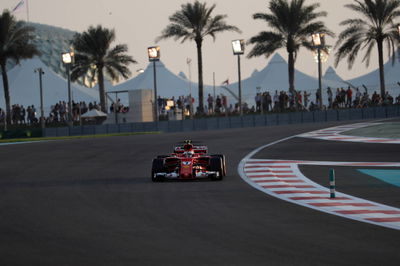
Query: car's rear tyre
{"x": 157, "y": 167}
{"x": 216, "y": 166}
{"x": 223, "y": 162}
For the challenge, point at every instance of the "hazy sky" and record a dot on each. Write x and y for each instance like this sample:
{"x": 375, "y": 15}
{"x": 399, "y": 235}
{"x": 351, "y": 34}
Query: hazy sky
{"x": 138, "y": 23}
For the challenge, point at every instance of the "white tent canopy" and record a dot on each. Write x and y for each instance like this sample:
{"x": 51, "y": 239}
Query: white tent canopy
{"x": 94, "y": 113}
{"x": 168, "y": 84}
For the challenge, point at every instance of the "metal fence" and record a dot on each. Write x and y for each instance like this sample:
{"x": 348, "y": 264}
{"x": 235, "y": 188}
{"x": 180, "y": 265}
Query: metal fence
{"x": 215, "y": 123}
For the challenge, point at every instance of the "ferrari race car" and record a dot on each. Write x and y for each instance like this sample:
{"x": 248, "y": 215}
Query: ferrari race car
{"x": 188, "y": 162}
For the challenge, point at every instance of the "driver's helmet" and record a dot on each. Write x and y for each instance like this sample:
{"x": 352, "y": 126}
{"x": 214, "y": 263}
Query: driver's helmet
{"x": 188, "y": 154}
{"x": 188, "y": 147}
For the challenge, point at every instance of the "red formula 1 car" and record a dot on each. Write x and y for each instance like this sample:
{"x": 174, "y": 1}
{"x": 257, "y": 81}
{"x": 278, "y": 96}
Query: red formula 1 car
{"x": 188, "y": 162}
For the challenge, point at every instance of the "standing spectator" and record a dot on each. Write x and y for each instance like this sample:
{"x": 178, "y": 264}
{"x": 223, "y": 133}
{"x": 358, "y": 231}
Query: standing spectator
{"x": 291, "y": 99}
{"x": 282, "y": 103}
{"x": 269, "y": 101}
{"x": 218, "y": 104}
{"x": 31, "y": 114}
{"x": 330, "y": 97}
{"x": 276, "y": 101}
{"x": 96, "y": 106}
{"x": 358, "y": 96}
{"x": 62, "y": 111}
{"x": 210, "y": 101}
{"x": 34, "y": 119}
{"x": 22, "y": 115}
{"x": 179, "y": 102}
{"x": 337, "y": 97}
{"x": 306, "y": 99}
{"x": 2, "y": 115}
{"x": 17, "y": 114}
{"x": 299, "y": 100}
{"x": 224, "y": 103}
{"x": 258, "y": 102}
{"x": 318, "y": 98}
{"x": 349, "y": 94}
{"x": 343, "y": 97}
{"x": 160, "y": 104}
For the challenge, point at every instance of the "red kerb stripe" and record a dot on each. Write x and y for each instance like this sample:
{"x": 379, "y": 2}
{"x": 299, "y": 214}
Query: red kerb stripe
{"x": 385, "y": 220}
{"x": 277, "y": 180}
{"x": 317, "y": 198}
{"x": 335, "y": 204}
{"x": 273, "y": 162}
{"x": 369, "y": 212}
{"x": 278, "y": 177}
{"x": 267, "y": 166}
{"x": 268, "y": 171}
{"x": 287, "y": 186}
{"x": 300, "y": 192}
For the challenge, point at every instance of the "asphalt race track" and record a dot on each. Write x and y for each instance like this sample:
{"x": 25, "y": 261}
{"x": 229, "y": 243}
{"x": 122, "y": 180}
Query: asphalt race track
{"x": 91, "y": 202}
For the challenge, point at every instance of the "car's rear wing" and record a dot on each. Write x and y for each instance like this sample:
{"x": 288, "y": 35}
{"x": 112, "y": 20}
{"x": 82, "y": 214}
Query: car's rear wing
{"x": 196, "y": 149}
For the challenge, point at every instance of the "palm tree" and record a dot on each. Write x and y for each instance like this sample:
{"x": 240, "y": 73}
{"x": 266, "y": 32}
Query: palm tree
{"x": 375, "y": 28}
{"x": 95, "y": 56}
{"x": 194, "y": 22}
{"x": 15, "y": 44}
{"x": 292, "y": 24}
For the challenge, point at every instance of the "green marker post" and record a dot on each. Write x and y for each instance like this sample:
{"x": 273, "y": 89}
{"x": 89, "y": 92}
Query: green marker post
{"x": 332, "y": 185}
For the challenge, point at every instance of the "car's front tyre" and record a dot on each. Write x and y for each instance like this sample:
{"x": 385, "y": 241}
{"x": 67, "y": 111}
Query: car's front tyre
{"x": 157, "y": 167}
{"x": 216, "y": 166}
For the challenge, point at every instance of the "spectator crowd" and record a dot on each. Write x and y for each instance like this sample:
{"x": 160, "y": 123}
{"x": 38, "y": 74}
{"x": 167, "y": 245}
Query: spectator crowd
{"x": 58, "y": 113}
{"x": 215, "y": 105}
{"x": 281, "y": 101}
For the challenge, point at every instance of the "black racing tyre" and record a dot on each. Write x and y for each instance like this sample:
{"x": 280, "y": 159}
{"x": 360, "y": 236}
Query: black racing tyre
{"x": 223, "y": 162}
{"x": 162, "y": 156}
{"x": 157, "y": 167}
{"x": 216, "y": 165}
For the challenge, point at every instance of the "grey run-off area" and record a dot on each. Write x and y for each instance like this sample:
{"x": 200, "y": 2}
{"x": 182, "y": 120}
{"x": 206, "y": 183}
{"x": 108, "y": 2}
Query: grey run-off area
{"x": 386, "y": 130}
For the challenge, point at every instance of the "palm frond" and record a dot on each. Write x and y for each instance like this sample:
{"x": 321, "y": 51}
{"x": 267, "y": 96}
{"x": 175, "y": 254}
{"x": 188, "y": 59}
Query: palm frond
{"x": 375, "y": 25}
{"x": 95, "y": 56}
{"x": 266, "y": 43}
{"x": 293, "y": 21}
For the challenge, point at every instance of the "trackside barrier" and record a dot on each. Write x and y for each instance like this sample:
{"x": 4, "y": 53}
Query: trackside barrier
{"x": 332, "y": 183}
{"x": 247, "y": 121}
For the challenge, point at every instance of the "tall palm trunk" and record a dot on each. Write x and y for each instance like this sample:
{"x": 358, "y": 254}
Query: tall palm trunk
{"x": 381, "y": 68}
{"x": 6, "y": 93}
{"x": 200, "y": 72}
{"x": 291, "y": 72}
{"x": 102, "y": 93}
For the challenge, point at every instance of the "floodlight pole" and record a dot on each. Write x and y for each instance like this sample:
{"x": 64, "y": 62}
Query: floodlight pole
{"x": 42, "y": 120}
{"x": 319, "y": 77}
{"x": 238, "y": 49}
{"x": 240, "y": 86}
{"x": 70, "y": 121}
{"x": 68, "y": 59}
{"x": 154, "y": 55}
{"x": 155, "y": 93}
{"x": 318, "y": 41}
